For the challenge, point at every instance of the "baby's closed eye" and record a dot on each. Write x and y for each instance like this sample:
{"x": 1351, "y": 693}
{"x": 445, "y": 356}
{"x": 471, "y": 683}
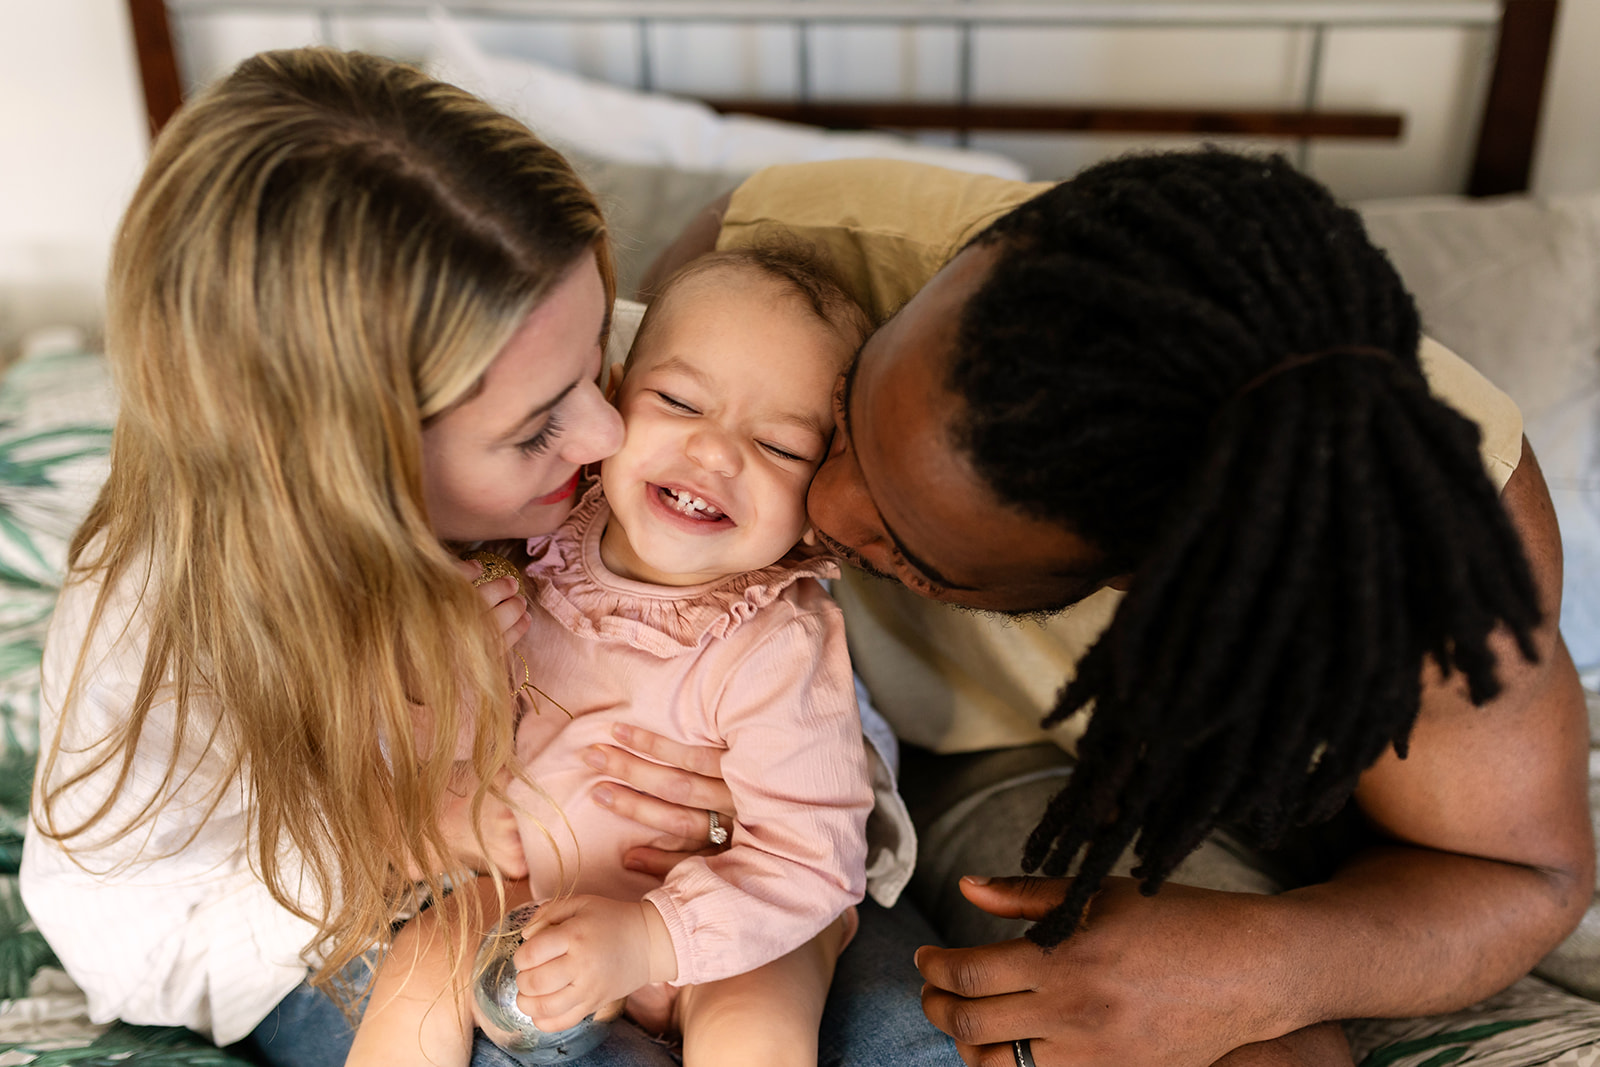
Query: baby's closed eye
{"x": 785, "y": 453}
{"x": 675, "y": 404}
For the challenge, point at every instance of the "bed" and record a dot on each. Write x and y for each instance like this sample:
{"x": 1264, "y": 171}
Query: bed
{"x": 1510, "y": 282}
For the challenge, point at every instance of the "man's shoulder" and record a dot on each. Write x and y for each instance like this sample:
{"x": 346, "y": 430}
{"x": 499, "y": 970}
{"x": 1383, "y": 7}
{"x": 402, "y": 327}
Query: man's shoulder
{"x": 1457, "y": 383}
{"x": 887, "y": 225}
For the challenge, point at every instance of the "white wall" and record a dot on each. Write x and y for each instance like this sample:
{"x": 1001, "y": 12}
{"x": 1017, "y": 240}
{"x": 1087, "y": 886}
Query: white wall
{"x": 1569, "y": 135}
{"x": 72, "y": 143}
{"x": 72, "y": 133}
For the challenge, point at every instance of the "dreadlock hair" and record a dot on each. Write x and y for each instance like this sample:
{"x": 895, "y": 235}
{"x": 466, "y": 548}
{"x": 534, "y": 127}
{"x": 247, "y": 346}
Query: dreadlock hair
{"x": 1199, "y": 363}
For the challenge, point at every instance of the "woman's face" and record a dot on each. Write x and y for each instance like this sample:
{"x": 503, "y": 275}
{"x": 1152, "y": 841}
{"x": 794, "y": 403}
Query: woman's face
{"x": 504, "y": 463}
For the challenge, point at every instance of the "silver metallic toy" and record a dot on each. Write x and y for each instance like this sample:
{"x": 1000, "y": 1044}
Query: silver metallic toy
{"x": 496, "y": 992}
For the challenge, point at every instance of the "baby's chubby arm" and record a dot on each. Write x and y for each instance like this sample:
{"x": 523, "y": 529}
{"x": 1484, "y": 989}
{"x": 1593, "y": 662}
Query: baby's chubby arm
{"x": 583, "y": 952}
{"x": 796, "y": 766}
{"x": 490, "y": 840}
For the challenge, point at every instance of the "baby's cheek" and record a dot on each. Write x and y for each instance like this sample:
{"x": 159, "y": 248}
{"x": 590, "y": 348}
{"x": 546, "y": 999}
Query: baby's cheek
{"x": 793, "y": 519}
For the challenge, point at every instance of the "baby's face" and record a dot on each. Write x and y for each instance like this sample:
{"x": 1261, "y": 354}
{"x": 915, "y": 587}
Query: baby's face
{"x": 727, "y": 413}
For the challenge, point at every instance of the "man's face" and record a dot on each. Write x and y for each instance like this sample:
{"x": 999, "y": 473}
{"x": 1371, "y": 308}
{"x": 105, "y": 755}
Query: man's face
{"x": 896, "y": 497}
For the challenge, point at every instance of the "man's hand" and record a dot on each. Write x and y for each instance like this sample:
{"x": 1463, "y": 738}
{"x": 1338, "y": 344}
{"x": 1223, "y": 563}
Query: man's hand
{"x": 1145, "y": 982}
{"x": 584, "y": 952}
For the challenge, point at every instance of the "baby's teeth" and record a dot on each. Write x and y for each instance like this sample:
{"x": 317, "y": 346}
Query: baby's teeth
{"x": 687, "y": 503}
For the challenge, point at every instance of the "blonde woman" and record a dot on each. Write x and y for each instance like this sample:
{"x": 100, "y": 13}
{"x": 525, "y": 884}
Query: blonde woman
{"x": 356, "y": 316}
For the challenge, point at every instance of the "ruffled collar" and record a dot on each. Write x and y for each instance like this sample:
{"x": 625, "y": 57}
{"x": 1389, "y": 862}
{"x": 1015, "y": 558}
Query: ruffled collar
{"x": 575, "y": 587}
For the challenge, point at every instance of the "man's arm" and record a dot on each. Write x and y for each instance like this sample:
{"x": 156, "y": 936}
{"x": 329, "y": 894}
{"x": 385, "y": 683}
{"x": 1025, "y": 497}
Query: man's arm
{"x": 1492, "y": 861}
{"x": 1488, "y": 863}
{"x": 697, "y": 238}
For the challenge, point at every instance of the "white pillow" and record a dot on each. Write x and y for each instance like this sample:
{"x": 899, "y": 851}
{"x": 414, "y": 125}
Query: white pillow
{"x": 1513, "y": 286}
{"x": 608, "y": 122}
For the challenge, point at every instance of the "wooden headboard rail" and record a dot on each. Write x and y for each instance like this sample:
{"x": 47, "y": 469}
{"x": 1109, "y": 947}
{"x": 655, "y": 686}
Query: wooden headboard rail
{"x": 1502, "y": 160}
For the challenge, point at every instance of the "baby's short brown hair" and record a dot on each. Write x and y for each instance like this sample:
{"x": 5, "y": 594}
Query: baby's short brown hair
{"x": 792, "y": 263}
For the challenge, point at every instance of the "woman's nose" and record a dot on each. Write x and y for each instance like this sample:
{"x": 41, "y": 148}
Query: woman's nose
{"x": 714, "y": 451}
{"x": 597, "y": 427}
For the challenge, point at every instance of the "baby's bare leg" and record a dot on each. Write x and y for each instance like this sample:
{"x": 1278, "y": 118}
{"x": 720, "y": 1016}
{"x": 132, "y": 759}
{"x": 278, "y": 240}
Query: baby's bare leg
{"x": 420, "y": 1010}
{"x": 768, "y": 1016}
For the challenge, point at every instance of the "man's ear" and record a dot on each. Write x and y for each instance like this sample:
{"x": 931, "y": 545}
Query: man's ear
{"x": 613, "y": 383}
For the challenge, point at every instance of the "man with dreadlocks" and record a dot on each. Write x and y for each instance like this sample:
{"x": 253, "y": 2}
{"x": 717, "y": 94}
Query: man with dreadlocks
{"x": 1313, "y": 562}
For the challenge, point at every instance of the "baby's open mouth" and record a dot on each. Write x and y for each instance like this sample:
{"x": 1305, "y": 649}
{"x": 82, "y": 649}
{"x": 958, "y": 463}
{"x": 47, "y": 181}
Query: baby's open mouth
{"x": 686, "y": 503}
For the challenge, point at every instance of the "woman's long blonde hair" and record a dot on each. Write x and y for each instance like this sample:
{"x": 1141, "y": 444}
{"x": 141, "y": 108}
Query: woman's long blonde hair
{"x": 326, "y": 250}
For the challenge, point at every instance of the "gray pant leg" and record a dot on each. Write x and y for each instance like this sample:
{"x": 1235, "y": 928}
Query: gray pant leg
{"x": 974, "y": 813}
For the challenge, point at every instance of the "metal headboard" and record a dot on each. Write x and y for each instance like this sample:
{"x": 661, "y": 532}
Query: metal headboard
{"x": 1502, "y": 160}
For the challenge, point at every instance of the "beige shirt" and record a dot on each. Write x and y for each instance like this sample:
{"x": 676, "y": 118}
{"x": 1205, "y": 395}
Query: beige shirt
{"x": 946, "y": 679}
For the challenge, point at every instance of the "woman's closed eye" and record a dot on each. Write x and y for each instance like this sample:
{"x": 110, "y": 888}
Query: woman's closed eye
{"x": 540, "y": 443}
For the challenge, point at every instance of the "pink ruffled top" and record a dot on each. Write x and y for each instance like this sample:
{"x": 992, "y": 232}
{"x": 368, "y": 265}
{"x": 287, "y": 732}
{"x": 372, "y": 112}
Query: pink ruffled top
{"x": 573, "y": 584}
{"x": 754, "y": 665}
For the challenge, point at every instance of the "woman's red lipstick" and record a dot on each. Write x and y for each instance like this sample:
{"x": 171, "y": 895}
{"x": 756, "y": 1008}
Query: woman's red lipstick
{"x": 560, "y": 494}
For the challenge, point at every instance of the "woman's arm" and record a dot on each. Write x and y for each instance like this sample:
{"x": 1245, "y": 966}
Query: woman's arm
{"x": 1489, "y": 863}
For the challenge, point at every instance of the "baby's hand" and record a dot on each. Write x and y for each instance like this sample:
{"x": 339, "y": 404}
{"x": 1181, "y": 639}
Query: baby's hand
{"x": 502, "y": 595}
{"x": 584, "y": 952}
{"x": 501, "y": 843}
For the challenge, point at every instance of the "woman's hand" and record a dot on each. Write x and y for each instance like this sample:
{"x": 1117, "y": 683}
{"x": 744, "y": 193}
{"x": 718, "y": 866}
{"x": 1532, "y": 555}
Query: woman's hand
{"x": 503, "y": 599}
{"x": 1147, "y": 981}
{"x": 673, "y": 791}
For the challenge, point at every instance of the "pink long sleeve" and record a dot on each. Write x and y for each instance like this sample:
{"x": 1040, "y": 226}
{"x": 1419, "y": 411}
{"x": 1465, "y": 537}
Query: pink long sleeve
{"x": 797, "y": 767}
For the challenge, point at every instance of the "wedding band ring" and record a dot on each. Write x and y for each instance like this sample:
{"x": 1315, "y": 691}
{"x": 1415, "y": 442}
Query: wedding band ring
{"x": 1022, "y": 1049}
{"x": 719, "y": 833}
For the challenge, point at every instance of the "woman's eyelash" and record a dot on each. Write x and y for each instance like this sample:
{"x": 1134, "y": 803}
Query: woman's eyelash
{"x": 539, "y": 443}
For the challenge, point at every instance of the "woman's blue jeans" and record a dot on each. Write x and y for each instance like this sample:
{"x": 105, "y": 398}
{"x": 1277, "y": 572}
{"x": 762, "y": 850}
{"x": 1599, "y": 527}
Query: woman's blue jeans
{"x": 873, "y": 1016}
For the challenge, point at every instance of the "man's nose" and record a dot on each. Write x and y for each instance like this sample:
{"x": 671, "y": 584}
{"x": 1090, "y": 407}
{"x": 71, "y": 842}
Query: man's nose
{"x": 838, "y": 503}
